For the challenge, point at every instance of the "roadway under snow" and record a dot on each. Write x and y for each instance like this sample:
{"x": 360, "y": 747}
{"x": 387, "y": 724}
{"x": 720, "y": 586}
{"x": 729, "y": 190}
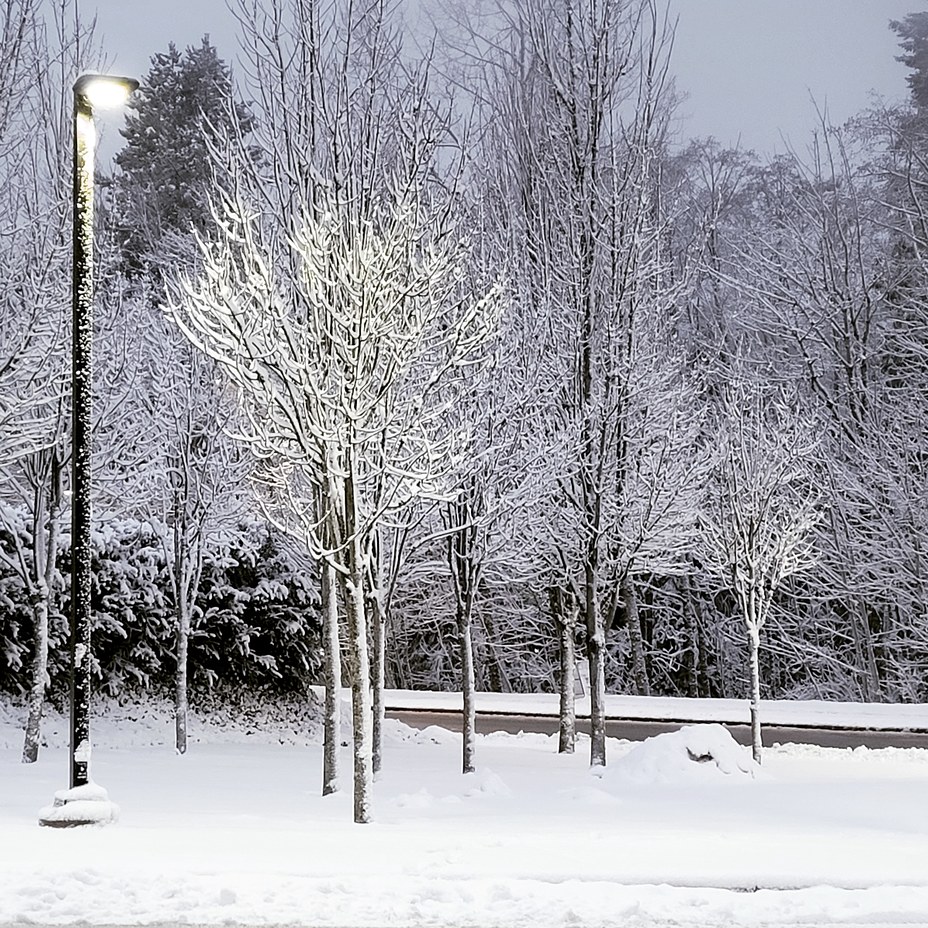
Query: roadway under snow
{"x": 775, "y": 712}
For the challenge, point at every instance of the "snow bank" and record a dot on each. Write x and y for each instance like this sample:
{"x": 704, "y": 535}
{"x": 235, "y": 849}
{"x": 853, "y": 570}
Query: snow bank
{"x": 696, "y": 752}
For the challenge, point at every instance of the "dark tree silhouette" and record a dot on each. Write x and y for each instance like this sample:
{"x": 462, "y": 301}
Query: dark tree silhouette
{"x": 184, "y": 105}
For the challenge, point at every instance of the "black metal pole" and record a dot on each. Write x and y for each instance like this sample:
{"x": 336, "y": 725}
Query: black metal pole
{"x": 82, "y": 439}
{"x": 83, "y": 803}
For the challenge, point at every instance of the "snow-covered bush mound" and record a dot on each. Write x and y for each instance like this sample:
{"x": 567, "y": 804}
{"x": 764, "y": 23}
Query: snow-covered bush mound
{"x": 397, "y": 731}
{"x": 698, "y": 752}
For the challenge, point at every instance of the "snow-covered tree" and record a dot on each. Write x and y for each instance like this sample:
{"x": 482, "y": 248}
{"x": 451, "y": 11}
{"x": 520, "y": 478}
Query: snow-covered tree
{"x": 331, "y": 297}
{"x": 584, "y": 103}
{"x": 193, "y": 477}
{"x": 38, "y": 59}
{"x": 762, "y": 509}
{"x": 163, "y": 189}
{"x": 187, "y": 478}
{"x": 488, "y": 525}
{"x": 913, "y": 38}
{"x": 825, "y": 291}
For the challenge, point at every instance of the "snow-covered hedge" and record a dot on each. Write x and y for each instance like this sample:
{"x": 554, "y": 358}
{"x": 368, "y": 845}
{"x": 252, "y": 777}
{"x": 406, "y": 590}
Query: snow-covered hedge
{"x": 256, "y": 623}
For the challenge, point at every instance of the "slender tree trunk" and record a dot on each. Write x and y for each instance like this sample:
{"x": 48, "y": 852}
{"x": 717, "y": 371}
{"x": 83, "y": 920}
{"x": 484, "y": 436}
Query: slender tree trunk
{"x": 378, "y": 685}
{"x": 333, "y": 682}
{"x": 596, "y": 648}
{"x": 465, "y": 623}
{"x": 45, "y": 556}
{"x": 692, "y": 633}
{"x": 465, "y": 575}
{"x": 496, "y": 674}
{"x": 180, "y": 679}
{"x": 703, "y": 680}
{"x": 567, "y": 710}
{"x": 188, "y": 567}
{"x": 873, "y": 690}
{"x": 567, "y": 714}
{"x": 754, "y": 645}
{"x": 39, "y": 601}
{"x": 393, "y": 676}
{"x": 184, "y": 590}
{"x": 639, "y": 666}
{"x": 394, "y": 673}
{"x": 378, "y": 640}
{"x": 39, "y": 673}
{"x": 361, "y": 704}
{"x": 468, "y": 689}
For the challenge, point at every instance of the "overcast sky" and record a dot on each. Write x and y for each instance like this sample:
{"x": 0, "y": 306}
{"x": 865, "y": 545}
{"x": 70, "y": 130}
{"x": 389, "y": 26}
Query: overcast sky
{"x": 753, "y": 70}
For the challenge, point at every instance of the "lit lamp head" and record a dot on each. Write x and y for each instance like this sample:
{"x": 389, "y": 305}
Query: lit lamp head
{"x": 102, "y": 91}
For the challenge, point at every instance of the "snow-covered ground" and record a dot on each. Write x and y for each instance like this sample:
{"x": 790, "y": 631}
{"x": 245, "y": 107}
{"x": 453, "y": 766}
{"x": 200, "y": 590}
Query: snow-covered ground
{"x": 235, "y": 832}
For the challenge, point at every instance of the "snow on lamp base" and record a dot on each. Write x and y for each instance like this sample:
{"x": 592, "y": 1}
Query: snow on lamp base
{"x": 82, "y": 805}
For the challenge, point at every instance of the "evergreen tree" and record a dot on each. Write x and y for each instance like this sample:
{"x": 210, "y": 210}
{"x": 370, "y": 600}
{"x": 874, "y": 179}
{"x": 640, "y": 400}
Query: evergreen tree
{"x": 183, "y": 111}
{"x": 185, "y": 103}
{"x": 913, "y": 38}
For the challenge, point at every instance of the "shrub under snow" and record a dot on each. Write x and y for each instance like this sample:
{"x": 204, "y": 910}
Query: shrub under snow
{"x": 695, "y": 751}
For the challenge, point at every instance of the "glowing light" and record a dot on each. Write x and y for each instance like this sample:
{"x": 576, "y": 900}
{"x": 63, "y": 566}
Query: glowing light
{"x": 106, "y": 94}
{"x": 103, "y": 91}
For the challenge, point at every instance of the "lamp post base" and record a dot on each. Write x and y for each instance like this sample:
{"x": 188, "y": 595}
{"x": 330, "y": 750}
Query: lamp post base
{"x": 82, "y": 805}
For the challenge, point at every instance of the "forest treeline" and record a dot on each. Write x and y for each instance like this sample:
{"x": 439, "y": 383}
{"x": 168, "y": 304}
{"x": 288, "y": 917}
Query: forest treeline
{"x": 453, "y": 368}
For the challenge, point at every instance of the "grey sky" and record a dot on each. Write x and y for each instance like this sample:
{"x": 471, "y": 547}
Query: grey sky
{"x": 751, "y": 68}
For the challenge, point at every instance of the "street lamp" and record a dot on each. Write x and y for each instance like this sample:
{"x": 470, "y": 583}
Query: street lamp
{"x": 83, "y": 802}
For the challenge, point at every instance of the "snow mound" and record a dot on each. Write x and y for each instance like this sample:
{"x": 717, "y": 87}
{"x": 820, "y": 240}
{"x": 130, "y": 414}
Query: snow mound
{"x": 399, "y": 732}
{"x": 417, "y": 802}
{"x": 433, "y": 734}
{"x": 695, "y": 752}
{"x": 80, "y": 805}
{"x": 89, "y": 792}
{"x": 485, "y": 782}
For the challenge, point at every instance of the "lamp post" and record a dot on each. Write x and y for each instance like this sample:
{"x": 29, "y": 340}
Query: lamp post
{"x": 83, "y": 802}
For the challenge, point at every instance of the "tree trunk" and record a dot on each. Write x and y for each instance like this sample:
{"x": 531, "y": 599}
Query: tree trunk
{"x": 863, "y": 637}
{"x": 39, "y": 674}
{"x": 180, "y": 679}
{"x": 596, "y": 649}
{"x": 756, "y": 740}
{"x": 465, "y": 576}
{"x": 378, "y": 640}
{"x": 496, "y": 674}
{"x": 395, "y": 669}
{"x": 45, "y": 556}
{"x": 567, "y": 712}
{"x": 361, "y": 706}
{"x": 639, "y": 667}
{"x": 468, "y": 687}
{"x": 333, "y": 682}
{"x": 185, "y": 584}
{"x": 692, "y": 633}
{"x": 703, "y": 680}
{"x": 378, "y": 684}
